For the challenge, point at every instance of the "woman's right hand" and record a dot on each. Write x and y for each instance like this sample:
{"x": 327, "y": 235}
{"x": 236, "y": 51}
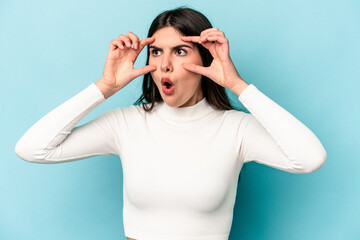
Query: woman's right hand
{"x": 119, "y": 65}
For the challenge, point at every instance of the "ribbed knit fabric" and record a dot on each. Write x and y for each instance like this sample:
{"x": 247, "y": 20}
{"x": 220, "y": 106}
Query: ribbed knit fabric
{"x": 180, "y": 165}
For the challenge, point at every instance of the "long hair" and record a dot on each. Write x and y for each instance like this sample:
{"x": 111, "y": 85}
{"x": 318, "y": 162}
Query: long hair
{"x": 190, "y": 23}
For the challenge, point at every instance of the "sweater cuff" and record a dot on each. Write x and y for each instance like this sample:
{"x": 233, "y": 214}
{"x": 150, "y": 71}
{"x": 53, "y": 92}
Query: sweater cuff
{"x": 95, "y": 91}
{"x": 247, "y": 92}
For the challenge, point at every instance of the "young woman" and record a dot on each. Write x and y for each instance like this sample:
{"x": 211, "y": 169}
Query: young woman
{"x": 182, "y": 149}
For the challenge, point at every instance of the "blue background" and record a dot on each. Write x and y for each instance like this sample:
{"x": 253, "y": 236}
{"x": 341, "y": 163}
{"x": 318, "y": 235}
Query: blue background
{"x": 302, "y": 54}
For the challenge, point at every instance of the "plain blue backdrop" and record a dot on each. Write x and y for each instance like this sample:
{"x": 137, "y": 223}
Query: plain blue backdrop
{"x": 304, "y": 55}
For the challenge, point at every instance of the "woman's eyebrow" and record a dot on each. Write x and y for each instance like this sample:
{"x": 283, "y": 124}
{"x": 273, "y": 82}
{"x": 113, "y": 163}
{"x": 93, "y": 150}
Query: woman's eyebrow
{"x": 173, "y": 48}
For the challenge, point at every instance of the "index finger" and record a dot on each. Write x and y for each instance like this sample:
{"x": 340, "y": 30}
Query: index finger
{"x": 197, "y": 38}
{"x": 191, "y": 38}
{"x": 145, "y": 42}
{"x": 209, "y": 29}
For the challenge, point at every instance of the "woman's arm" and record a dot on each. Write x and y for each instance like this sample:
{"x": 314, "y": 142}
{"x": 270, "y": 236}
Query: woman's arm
{"x": 274, "y": 137}
{"x": 49, "y": 140}
{"x": 54, "y": 139}
{"x": 271, "y": 135}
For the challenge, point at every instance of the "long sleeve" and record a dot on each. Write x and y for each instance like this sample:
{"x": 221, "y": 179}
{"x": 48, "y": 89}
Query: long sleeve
{"x": 274, "y": 137}
{"x": 54, "y": 138}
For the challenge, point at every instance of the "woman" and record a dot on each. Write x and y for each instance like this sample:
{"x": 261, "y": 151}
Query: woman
{"x": 183, "y": 149}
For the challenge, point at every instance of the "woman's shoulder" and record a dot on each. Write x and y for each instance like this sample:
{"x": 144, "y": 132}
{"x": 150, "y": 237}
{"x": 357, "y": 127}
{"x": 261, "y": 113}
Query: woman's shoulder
{"x": 235, "y": 115}
{"x": 133, "y": 109}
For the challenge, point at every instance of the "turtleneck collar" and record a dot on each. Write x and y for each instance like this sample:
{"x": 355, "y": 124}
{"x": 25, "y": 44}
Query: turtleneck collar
{"x": 185, "y": 114}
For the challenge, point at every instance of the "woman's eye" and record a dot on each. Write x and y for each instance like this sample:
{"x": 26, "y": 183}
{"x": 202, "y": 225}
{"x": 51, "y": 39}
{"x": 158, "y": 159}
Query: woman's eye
{"x": 181, "y": 50}
{"x": 154, "y": 51}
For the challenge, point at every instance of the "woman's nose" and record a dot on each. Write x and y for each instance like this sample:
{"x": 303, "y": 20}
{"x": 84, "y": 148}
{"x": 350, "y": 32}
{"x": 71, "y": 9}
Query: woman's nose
{"x": 166, "y": 65}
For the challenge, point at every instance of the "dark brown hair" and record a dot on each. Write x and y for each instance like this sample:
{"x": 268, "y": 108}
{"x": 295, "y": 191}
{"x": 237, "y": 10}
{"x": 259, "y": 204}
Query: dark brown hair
{"x": 190, "y": 23}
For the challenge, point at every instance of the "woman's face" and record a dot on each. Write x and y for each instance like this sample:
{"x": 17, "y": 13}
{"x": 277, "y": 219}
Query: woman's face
{"x": 168, "y": 52}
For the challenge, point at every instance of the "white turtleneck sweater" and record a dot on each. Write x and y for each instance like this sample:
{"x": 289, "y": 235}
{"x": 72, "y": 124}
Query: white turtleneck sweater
{"x": 180, "y": 165}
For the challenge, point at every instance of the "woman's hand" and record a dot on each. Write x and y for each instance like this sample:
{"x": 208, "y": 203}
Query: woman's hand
{"x": 119, "y": 65}
{"x": 222, "y": 70}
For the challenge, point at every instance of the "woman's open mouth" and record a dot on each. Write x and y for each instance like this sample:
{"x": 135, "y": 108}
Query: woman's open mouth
{"x": 168, "y": 89}
{"x": 167, "y": 86}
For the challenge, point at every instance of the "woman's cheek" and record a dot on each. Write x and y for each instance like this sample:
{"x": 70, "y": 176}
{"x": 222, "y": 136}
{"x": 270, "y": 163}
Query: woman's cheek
{"x": 153, "y": 76}
{"x": 152, "y": 62}
{"x": 182, "y": 69}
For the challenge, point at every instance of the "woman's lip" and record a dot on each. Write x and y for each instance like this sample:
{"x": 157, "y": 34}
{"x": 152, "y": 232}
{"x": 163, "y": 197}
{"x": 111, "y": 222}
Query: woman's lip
{"x": 166, "y": 79}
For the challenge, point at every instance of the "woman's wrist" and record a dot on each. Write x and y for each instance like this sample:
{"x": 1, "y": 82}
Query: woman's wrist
{"x": 239, "y": 87}
{"x": 106, "y": 90}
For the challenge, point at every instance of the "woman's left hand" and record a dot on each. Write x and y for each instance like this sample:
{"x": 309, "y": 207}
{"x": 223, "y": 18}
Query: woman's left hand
{"x": 222, "y": 70}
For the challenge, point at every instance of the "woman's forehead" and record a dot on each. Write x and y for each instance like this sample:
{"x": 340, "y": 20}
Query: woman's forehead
{"x": 169, "y": 37}
{"x": 168, "y": 30}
